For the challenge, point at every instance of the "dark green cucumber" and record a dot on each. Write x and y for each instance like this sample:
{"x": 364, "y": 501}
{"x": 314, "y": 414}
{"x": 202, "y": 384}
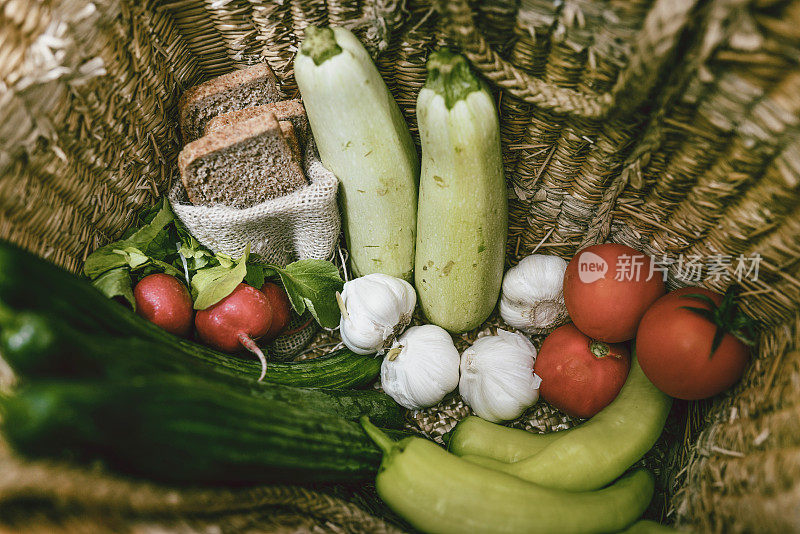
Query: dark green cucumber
{"x": 36, "y": 345}
{"x": 37, "y": 342}
{"x": 341, "y": 369}
{"x": 30, "y": 283}
{"x": 178, "y": 431}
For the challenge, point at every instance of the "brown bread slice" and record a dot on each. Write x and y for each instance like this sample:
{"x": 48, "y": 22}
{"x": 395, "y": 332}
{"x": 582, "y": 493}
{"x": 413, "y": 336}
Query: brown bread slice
{"x": 242, "y": 165}
{"x": 287, "y": 129}
{"x": 253, "y": 86}
{"x": 285, "y": 110}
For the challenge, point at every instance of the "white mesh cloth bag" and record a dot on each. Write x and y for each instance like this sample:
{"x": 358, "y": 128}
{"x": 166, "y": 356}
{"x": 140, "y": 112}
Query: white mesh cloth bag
{"x": 302, "y": 225}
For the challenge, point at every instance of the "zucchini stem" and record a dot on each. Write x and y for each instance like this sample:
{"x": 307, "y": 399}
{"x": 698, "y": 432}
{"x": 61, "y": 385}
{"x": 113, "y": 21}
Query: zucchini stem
{"x": 320, "y": 44}
{"x": 381, "y": 439}
{"x": 449, "y": 75}
{"x": 248, "y": 343}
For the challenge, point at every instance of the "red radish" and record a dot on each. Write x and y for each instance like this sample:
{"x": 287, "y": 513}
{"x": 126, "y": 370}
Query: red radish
{"x": 580, "y": 376}
{"x": 236, "y": 321}
{"x": 281, "y": 309}
{"x": 163, "y": 300}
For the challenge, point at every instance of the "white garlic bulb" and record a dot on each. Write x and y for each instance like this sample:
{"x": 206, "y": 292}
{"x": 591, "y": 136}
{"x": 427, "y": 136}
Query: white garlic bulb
{"x": 375, "y": 309}
{"x": 421, "y": 367}
{"x": 497, "y": 379}
{"x": 533, "y": 296}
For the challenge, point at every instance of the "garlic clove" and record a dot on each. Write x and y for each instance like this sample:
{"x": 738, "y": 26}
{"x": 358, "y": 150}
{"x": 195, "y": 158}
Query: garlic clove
{"x": 497, "y": 378}
{"x": 532, "y": 294}
{"x": 424, "y": 367}
{"x": 376, "y": 308}
{"x": 375, "y": 298}
{"x": 362, "y": 336}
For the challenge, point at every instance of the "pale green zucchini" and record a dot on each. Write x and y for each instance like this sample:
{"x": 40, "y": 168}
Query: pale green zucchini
{"x": 364, "y": 140}
{"x": 462, "y": 221}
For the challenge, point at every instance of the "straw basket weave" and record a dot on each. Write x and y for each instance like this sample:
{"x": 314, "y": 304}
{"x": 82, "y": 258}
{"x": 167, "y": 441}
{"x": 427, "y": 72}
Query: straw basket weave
{"x": 669, "y": 125}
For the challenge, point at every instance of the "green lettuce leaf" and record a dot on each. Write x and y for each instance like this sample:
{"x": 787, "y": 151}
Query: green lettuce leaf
{"x": 106, "y": 258}
{"x": 133, "y": 256}
{"x": 116, "y": 283}
{"x": 312, "y": 285}
{"x": 255, "y": 275}
{"x": 212, "y": 284}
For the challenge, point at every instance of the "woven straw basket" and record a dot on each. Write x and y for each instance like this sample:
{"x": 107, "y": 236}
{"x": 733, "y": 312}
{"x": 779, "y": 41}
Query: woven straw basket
{"x": 669, "y": 125}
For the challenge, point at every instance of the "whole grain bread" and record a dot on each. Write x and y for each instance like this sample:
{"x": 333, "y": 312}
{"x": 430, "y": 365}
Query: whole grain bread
{"x": 287, "y": 129}
{"x": 244, "y": 164}
{"x": 285, "y": 110}
{"x": 253, "y": 86}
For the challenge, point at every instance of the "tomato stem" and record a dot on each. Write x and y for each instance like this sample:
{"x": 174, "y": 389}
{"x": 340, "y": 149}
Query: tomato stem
{"x": 727, "y": 317}
{"x": 600, "y": 349}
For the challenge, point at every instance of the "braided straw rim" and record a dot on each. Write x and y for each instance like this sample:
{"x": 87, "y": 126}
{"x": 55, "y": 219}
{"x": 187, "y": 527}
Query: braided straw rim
{"x": 89, "y": 489}
{"x": 662, "y": 30}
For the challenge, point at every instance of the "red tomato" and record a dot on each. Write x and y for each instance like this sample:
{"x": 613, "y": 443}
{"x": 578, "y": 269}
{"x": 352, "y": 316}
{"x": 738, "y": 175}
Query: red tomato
{"x": 673, "y": 346}
{"x": 580, "y": 376}
{"x": 607, "y": 289}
